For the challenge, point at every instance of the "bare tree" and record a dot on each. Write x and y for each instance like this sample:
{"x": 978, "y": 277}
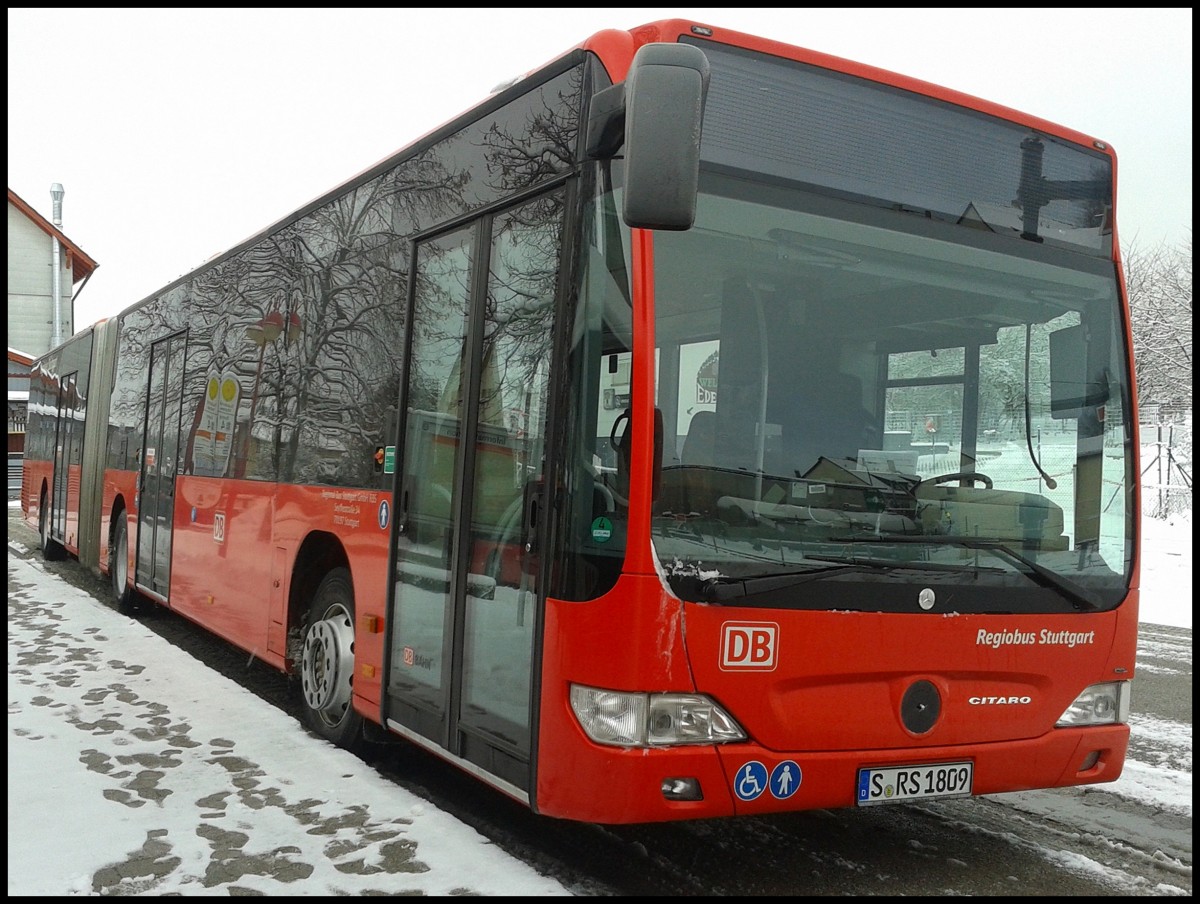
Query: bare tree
{"x": 1159, "y": 282}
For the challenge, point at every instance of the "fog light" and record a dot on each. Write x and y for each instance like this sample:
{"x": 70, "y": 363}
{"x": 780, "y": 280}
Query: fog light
{"x": 682, "y": 789}
{"x": 1089, "y": 761}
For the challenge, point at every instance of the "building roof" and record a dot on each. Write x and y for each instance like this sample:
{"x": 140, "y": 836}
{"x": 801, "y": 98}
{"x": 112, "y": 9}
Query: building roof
{"x": 80, "y": 262}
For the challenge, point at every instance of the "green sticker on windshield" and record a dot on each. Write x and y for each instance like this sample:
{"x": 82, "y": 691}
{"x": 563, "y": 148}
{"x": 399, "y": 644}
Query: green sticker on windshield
{"x": 601, "y": 530}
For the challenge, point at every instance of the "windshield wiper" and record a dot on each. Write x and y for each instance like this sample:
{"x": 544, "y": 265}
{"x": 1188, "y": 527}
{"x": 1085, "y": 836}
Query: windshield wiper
{"x": 726, "y": 587}
{"x": 1079, "y": 597}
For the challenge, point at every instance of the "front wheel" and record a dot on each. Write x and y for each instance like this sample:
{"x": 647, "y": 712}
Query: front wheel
{"x": 327, "y": 662}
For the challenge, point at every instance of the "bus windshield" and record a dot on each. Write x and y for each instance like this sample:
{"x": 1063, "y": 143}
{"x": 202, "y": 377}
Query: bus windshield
{"x": 849, "y": 400}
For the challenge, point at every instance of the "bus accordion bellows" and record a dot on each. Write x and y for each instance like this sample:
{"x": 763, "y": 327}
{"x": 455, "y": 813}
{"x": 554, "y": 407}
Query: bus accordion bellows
{"x": 698, "y": 426}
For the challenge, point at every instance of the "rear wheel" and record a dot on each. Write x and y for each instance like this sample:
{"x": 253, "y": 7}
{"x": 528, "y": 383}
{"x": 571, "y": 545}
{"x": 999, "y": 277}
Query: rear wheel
{"x": 52, "y": 550}
{"x": 327, "y": 662}
{"x": 129, "y": 601}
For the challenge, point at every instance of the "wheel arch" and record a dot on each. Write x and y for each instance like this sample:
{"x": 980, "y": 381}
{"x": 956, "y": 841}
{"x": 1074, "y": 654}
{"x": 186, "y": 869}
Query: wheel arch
{"x": 319, "y": 553}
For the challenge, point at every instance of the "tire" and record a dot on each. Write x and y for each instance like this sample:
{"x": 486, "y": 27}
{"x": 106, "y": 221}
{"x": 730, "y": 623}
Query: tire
{"x": 52, "y": 550}
{"x": 327, "y": 663}
{"x": 129, "y": 601}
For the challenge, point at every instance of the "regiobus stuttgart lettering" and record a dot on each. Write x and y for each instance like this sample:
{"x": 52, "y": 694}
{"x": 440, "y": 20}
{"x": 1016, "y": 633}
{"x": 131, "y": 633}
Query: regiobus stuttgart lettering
{"x": 1044, "y": 637}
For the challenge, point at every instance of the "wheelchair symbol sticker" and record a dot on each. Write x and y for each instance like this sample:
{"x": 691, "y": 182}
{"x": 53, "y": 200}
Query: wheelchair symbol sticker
{"x": 751, "y": 780}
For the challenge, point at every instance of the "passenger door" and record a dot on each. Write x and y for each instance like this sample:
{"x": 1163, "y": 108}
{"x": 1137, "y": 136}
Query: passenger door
{"x": 159, "y": 464}
{"x": 465, "y": 595}
{"x": 65, "y": 490}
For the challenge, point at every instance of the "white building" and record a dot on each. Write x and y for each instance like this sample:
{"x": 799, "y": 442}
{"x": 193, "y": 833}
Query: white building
{"x": 35, "y": 245}
{"x": 31, "y": 279}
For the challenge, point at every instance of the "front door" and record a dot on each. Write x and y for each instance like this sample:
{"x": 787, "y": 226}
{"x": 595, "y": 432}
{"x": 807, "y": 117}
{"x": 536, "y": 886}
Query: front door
{"x": 159, "y": 464}
{"x": 465, "y": 596}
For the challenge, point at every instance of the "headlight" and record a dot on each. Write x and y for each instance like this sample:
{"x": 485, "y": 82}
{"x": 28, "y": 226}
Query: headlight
{"x": 651, "y": 720}
{"x": 1100, "y": 704}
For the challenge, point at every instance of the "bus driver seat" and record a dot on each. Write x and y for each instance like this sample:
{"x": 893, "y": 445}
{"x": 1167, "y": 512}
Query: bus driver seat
{"x": 699, "y": 446}
{"x": 697, "y": 456}
{"x": 834, "y": 425}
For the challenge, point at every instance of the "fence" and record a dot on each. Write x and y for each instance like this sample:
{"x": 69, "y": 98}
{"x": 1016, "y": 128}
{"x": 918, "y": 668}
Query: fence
{"x": 1166, "y": 469}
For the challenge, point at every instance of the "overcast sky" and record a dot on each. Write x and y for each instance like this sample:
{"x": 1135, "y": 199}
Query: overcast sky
{"x": 179, "y": 133}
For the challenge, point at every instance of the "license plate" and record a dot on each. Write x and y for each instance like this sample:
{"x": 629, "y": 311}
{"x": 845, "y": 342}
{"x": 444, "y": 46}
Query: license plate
{"x": 897, "y": 783}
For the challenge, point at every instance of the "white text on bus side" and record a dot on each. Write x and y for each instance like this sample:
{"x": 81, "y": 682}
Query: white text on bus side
{"x": 1045, "y": 637}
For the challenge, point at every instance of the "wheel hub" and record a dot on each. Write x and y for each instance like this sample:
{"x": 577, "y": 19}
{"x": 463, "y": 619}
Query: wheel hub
{"x": 326, "y": 664}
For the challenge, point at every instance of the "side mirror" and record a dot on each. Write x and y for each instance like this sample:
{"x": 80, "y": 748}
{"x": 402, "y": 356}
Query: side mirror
{"x": 665, "y": 93}
{"x": 658, "y": 112}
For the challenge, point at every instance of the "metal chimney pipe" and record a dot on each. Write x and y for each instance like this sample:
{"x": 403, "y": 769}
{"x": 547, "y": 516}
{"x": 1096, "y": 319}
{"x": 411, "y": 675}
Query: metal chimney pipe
{"x": 56, "y": 337}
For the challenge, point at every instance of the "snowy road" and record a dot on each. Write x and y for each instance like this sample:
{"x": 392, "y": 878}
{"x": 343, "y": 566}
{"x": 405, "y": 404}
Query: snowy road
{"x": 209, "y": 806}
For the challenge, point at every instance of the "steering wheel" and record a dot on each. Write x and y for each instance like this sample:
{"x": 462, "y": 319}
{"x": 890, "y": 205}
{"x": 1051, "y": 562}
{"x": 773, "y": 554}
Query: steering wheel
{"x": 973, "y": 476}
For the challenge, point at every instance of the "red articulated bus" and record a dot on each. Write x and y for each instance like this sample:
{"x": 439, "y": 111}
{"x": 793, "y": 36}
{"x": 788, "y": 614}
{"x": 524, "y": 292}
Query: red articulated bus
{"x": 698, "y": 426}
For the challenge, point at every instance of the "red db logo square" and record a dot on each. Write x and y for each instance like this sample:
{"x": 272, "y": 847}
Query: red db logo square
{"x": 749, "y": 645}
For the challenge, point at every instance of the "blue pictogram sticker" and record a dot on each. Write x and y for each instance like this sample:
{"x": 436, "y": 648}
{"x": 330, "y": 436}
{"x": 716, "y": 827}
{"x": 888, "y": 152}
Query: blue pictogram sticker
{"x": 750, "y": 781}
{"x": 785, "y": 779}
{"x": 384, "y": 514}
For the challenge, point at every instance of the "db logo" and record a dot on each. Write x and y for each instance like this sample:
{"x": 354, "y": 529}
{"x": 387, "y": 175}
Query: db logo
{"x": 219, "y": 527}
{"x": 749, "y": 645}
